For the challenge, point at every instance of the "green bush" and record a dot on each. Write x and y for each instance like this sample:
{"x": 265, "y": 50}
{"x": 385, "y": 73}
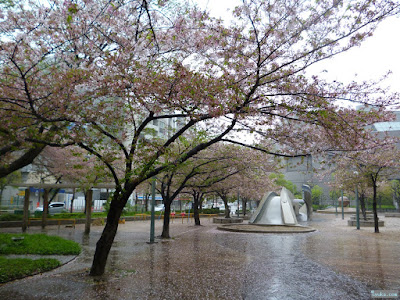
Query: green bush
{"x": 318, "y": 207}
{"x": 383, "y": 206}
{"x": 201, "y": 211}
{"x": 210, "y": 211}
{"x": 11, "y": 217}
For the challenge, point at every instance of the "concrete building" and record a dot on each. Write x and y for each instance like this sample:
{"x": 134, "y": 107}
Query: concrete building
{"x": 304, "y": 170}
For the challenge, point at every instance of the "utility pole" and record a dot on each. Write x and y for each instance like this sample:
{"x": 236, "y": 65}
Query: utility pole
{"x": 153, "y": 202}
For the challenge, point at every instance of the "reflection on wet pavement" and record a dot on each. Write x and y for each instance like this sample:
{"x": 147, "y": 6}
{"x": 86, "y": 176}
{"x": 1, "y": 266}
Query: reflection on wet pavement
{"x": 365, "y": 255}
{"x": 204, "y": 263}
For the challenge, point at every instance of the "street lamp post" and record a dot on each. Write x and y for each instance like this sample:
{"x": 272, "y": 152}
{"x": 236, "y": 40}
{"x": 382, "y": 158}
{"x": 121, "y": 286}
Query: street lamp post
{"x": 238, "y": 204}
{"x": 357, "y": 209}
{"x": 357, "y": 205}
{"x": 342, "y": 207}
{"x": 336, "y": 205}
{"x": 153, "y": 202}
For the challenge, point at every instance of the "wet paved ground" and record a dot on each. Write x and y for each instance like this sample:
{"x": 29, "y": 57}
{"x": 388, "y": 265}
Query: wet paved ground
{"x": 335, "y": 262}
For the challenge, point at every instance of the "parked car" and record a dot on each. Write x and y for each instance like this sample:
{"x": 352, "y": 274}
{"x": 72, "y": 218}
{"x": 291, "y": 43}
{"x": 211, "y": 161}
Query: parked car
{"x": 159, "y": 207}
{"x": 54, "y": 208}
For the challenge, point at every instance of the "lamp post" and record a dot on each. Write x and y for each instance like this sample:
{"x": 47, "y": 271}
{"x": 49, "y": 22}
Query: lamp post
{"x": 357, "y": 206}
{"x": 153, "y": 202}
{"x": 342, "y": 207}
{"x": 238, "y": 199}
{"x": 336, "y": 205}
{"x": 357, "y": 209}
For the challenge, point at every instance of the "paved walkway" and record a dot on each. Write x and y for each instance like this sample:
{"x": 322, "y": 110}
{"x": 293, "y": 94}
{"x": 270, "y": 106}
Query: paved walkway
{"x": 335, "y": 262}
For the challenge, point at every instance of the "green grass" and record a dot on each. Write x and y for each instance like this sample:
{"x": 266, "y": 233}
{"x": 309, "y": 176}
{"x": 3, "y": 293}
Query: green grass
{"x": 37, "y": 244}
{"x": 14, "y": 268}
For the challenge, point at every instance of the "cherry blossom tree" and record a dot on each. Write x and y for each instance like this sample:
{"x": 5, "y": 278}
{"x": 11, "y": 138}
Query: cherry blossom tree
{"x": 366, "y": 168}
{"x": 145, "y": 189}
{"x": 197, "y": 175}
{"x": 345, "y": 178}
{"x": 97, "y": 74}
{"x": 73, "y": 165}
{"x": 255, "y": 182}
{"x": 223, "y": 166}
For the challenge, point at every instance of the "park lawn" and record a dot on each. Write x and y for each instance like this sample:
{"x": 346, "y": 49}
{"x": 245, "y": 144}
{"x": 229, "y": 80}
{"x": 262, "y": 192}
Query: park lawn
{"x": 37, "y": 244}
{"x": 14, "y": 268}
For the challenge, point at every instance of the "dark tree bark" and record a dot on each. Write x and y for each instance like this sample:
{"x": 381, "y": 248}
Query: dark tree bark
{"x": 26, "y": 210}
{"x": 196, "y": 202}
{"x": 88, "y": 208}
{"x": 146, "y": 202}
{"x": 227, "y": 210}
{"x": 72, "y": 200}
{"x": 167, "y": 214}
{"x": 168, "y": 198}
{"x": 45, "y": 207}
{"x": 244, "y": 204}
{"x": 362, "y": 204}
{"x": 22, "y": 161}
{"x": 374, "y": 188}
{"x": 224, "y": 196}
{"x": 106, "y": 240}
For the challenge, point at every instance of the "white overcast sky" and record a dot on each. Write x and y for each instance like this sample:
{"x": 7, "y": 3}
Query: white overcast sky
{"x": 374, "y": 58}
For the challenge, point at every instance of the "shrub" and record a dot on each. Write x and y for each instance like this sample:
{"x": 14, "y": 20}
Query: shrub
{"x": 11, "y": 217}
{"x": 210, "y": 211}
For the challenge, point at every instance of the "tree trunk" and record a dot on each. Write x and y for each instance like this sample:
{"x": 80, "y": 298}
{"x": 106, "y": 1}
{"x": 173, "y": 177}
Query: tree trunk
{"x": 88, "y": 209}
{"x": 106, "y": 240}
{"x": 45, "y": 207}
{"x": 72, "y": 201}
{"x": 26, "y": 211}
{"x": 167, "y": 213}
{"x": 227, "y": 210}
{"x": 244, "y": 206}
{"x": 374, "y": 207}
{"x": 146, "y": 203}
{"x": 196, "y": 210}
{"x": 362, "y": 203}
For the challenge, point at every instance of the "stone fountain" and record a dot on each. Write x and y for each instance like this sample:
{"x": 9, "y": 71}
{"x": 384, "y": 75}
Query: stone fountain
{"x": 276, "y": 213}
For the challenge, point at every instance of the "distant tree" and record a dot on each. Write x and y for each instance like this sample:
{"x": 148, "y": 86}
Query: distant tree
{"x": 73, "y": 165}
{"x": 279, "y": 180}
{"x": 145, "y": 190}
{"x": 367, "y": 168}
{"x": 200, "y": 174}
{"x": 317, "y": 193}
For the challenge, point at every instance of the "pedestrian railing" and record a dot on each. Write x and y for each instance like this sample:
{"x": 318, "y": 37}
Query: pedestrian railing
{"x": 58, "y": 221}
